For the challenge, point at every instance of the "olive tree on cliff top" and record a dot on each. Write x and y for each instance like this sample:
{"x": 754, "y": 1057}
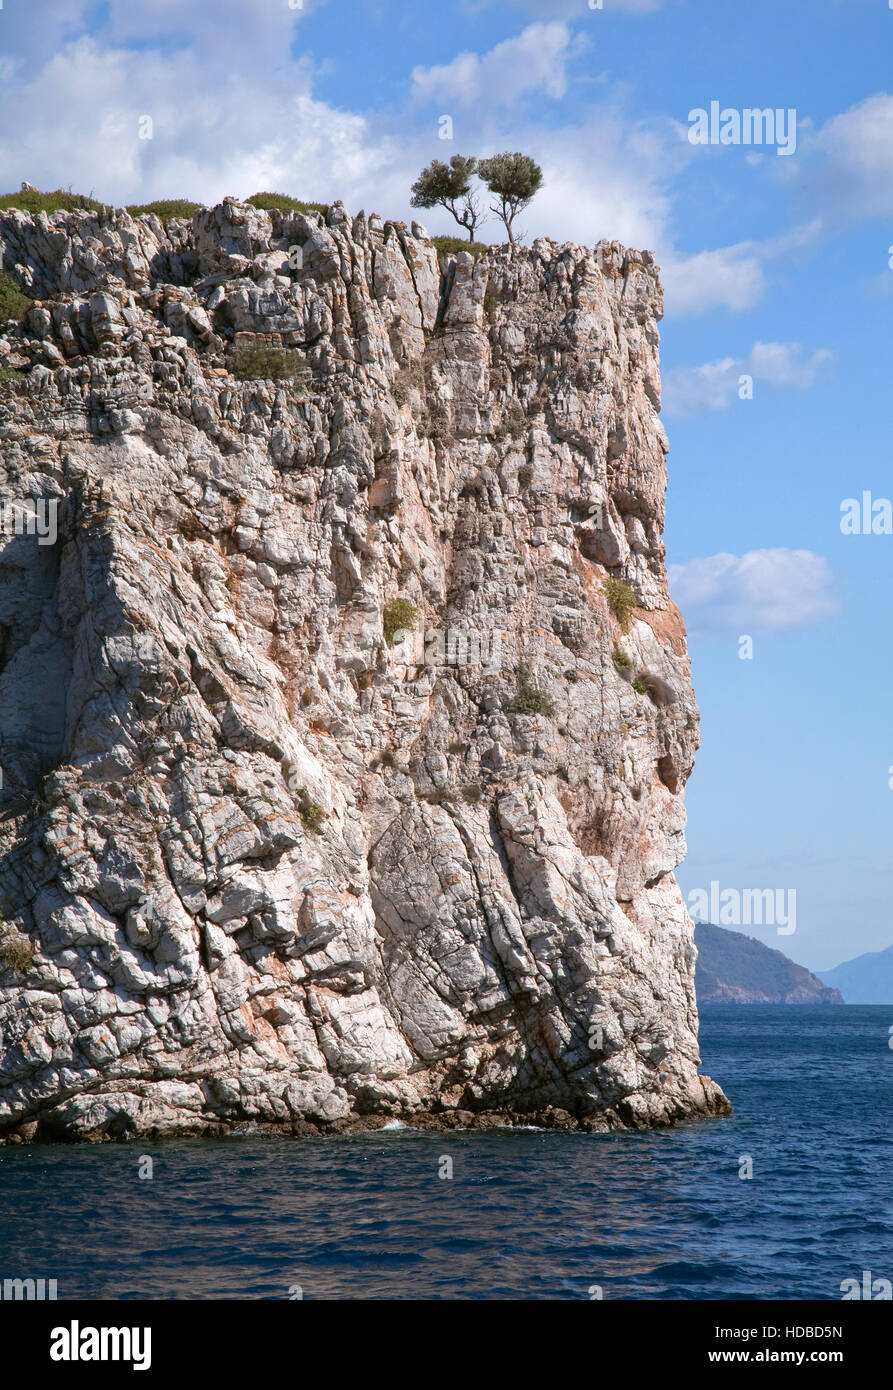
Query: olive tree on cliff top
{"x": 511, "y": 178}
{"x": 449, "y": 186}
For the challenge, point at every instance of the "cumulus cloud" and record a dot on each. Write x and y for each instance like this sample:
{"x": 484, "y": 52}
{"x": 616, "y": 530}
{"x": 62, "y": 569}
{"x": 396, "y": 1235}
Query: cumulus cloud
{"x": 715, "y": 385}
{"x": 234, "y": 109}
{"x": 731, "y": 277}
{"x": 534, "y": 61}
{"x": 231, "y": 110}
{"x": 762, "y": 591}
{"x": 847, "y": 164}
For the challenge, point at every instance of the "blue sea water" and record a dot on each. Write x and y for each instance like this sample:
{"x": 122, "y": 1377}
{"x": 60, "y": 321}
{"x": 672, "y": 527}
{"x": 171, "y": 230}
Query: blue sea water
{"x": 526, "y": 1215}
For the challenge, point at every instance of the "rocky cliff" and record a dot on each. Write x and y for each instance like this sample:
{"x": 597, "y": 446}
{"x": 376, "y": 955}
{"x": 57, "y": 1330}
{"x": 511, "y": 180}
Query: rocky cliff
{"x": 335, "y": 785}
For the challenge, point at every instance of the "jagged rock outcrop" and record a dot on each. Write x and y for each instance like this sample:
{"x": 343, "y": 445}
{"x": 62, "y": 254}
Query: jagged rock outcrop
{"x": 262, "y": 858}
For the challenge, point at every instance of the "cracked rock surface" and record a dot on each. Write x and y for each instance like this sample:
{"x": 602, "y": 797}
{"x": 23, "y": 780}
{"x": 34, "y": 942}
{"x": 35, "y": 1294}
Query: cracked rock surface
{"x": 264, "y": 858}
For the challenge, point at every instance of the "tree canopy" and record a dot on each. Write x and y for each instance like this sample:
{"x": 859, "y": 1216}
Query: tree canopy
{"x": 513, "y": 179}
{"x": 449, "y": 186}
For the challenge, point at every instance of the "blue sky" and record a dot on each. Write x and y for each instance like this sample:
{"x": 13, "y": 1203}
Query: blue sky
{"x": 776, "y": 267}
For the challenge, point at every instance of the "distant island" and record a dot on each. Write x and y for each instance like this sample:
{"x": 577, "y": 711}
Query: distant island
{"x": 866, "y": 979}
{"x": 736, "y": 969}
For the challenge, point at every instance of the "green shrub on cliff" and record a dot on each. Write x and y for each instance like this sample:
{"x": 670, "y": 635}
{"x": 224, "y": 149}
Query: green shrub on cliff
{"x": 528, "y": 698}
{"x": 452, "y": 245}
{"x": 29, "y": 200}
{"x": 281, "y": 202}
{"x": 399, "y": 614}
{"x": 16, "y": 951}
{"x": 14, "y": 303}
{"x": 621, "y": 601}
{"x": 261, "y": 362}
{"x": 311, "y": 813}
{"x": 166, "y": 209}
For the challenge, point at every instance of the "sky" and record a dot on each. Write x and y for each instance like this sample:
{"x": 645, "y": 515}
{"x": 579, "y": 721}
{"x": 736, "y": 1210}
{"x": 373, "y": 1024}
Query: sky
{"x": 776, "y": 261}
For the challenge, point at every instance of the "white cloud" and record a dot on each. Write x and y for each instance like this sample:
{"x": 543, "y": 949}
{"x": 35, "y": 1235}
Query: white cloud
{"x": 762, "y": 591}
{"x": 731, "y": 277}
{"x": 220, "y": 126}
{"x": 234, "y": 110}
{"x": 607, "y": 178}
{"x": 233, "y": 113}
{"x": 715, "y": 385}
{"x": 535, "y": 61}
{"x": 847, "y": 164}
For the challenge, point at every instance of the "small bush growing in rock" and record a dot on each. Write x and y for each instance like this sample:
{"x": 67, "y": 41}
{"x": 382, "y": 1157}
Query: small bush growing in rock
{"x": 260, "y": 362}
{"x": 622, "y": 660}
{"x": 439, "y": 427}
{"x": 399, "y": 614}
{"x": 639, "y": 686}
{"x": 513, "y": 422}
{"x": 528, "y": 698}
{"x": 438, "y": 796}
{"x": 471, "y": 794}
{"x": 451, "y": 245}
{"x": 16, "y": 951}
{"x": 311, "y": 813}
{"x": 10, "y": 373}
{"x": 409, "y": 378}
{"x": 621, "y": 601}
{"x": 14, "y": 303}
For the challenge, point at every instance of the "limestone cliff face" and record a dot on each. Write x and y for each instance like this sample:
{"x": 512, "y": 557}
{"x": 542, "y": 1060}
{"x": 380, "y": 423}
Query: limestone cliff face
{"x": 271, "y": 860}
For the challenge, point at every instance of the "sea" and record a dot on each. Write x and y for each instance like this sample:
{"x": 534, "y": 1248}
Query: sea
{"x": 788, "y": 1198}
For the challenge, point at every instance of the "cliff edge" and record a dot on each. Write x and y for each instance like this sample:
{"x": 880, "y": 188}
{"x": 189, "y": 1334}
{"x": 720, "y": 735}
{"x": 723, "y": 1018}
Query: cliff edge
{"x": 336, "y": 787}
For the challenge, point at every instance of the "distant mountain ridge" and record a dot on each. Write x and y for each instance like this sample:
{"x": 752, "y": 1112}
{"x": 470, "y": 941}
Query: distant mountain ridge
{"x": 866, "y": 979}
{"x": 736, "y": 969}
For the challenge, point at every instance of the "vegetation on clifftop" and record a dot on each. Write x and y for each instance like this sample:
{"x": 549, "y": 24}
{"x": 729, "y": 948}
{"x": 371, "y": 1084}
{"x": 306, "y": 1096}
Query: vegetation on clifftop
{"x": 166, "y": 209}
{"x": 60, "y": 200}
{"x": 281, "y": 202}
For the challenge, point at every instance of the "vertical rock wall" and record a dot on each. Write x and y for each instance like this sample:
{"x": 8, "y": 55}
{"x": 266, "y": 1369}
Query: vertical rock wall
{"x": 333, "y": 787}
